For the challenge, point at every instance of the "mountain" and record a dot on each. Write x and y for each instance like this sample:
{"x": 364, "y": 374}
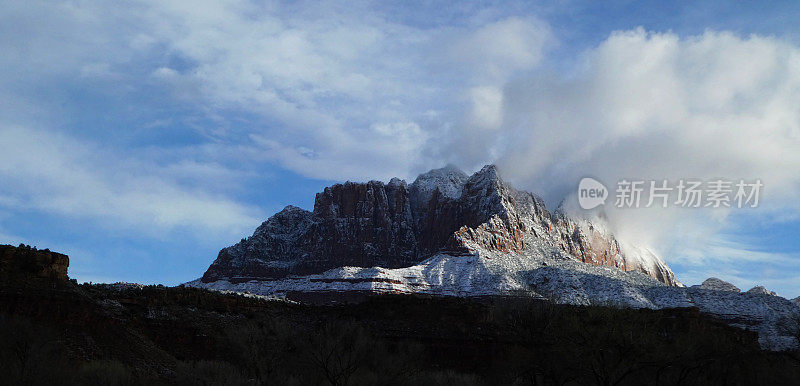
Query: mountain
{"x": 449, "y": 234}
{"x": 397, "y": 225}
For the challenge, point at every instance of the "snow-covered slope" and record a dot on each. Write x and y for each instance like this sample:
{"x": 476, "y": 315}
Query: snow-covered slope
{"x": 545, "y": 272}
{"x": 449, "y": 180}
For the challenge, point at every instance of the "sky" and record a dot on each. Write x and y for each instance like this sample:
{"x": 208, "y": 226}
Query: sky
{"x": 141, "y": 137}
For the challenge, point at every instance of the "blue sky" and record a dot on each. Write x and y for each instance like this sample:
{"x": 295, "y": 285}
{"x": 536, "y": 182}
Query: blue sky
{"x": 142, "y": 137}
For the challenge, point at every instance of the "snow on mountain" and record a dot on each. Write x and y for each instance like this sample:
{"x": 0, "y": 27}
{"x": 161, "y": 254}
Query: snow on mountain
{"x": 716, "y": 284}
{"x": 759, "y": 290}
{"x": 449, "y": 234}
{"x": 482, "y": 272}
{"x": 449, "y": 180}
{"x": 395, "y": 225}
{"x": 643, "y": 259}
{"x": 542, "y": 272}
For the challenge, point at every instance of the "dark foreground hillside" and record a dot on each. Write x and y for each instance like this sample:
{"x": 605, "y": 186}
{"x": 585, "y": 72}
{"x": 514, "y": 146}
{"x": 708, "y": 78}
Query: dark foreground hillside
{"x": 53, "y": 331}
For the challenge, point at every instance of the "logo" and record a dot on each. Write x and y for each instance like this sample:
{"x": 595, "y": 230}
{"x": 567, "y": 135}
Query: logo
{"x": 591, "y": 193}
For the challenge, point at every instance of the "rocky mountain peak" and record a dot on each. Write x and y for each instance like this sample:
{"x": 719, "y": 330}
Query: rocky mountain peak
{"x": 397, "y": 182}
{"x": 395, "y": 225}
{"x": 488, "y": 180}
{"x": 292, "y": 209}
{"x": 449, "y": 180}
{"x": 488, "y": 173}
{"x": 760, "y": 290}
{"x": 287, "y": 220}
{"x": 716, "y": 284}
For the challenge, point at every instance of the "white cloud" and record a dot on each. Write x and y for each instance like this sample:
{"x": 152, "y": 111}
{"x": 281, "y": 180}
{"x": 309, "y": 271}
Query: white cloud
{"x": 487, "y": 107}
{"x": 48, "y": 172}
{"x": 326, "y": 78}
{"x": 324, "y": 91}
{"x": 351, "y": 153}
{"x": 497, "y": 50}
{"x": 655, "y": 106}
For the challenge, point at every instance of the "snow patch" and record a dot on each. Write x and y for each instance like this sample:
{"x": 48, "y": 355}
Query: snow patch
{"x": 449, "y": 180}
{"x": 543, "y": 271}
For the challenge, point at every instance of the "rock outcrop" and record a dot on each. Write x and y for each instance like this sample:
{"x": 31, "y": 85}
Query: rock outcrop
{"x": 27, "y": 263}
{"x": 396, "y": 225}
{"x": 760, "y": 290}
{"x": 716, "y": 284}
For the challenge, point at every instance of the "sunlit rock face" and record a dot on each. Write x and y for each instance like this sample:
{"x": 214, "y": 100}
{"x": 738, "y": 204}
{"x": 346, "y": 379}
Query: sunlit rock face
{"x": 760, "y": 290}
{"x": 394, "y": 225}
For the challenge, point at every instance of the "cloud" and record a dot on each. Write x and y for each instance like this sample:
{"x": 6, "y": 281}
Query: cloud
{"x": 655, "y": 106}
{"x": 323, "y": 91}
{"x": 740, "y": 264}
{"x": 496, "y": 51}
{"x": 355, "y": 92}
{"x": 323, "y": 80}
{"x": 45, "y": 171}
{"x": 487, "y": 107}
{"x": 350, "y": 153}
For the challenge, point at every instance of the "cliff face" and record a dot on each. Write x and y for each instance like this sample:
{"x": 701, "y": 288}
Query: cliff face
{"x": 25, "y": 263}
{"x": 397, "y": 225}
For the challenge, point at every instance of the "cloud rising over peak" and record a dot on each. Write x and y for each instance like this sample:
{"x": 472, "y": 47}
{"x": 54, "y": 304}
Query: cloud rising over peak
{"x": 657, "y": 106}
{"x": 653, "y": 106}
